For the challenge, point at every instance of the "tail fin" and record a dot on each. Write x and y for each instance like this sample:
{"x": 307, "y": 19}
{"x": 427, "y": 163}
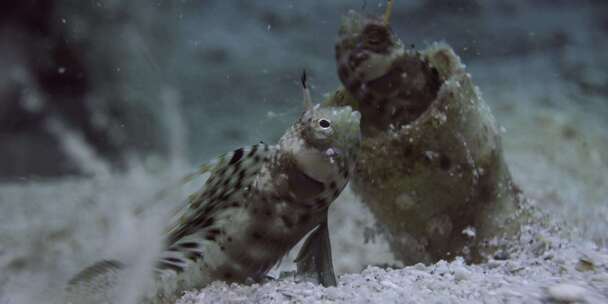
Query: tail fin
{"x": 97, "y": 283}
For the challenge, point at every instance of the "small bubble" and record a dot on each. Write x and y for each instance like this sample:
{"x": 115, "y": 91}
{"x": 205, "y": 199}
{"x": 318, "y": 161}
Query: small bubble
{"x": 269, "y": 27}
{"x": 63, "y": 20}
{"x": 469, "y": 232}
{"x": 61, "y": 70}
{"x": 430, "y": 154}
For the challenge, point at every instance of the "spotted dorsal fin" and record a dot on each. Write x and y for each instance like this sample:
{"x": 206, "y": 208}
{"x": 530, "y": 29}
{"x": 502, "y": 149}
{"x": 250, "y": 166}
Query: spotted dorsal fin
{"x": 211, "y": 167}
{"x": 231, "y": 174}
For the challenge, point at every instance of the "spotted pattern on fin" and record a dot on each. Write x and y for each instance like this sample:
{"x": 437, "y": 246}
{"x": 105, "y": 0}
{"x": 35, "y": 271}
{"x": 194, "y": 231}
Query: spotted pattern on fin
{"x": 164, "y": 264}
{"x": 177, "y": 256}
{"x": 198, "y": 221}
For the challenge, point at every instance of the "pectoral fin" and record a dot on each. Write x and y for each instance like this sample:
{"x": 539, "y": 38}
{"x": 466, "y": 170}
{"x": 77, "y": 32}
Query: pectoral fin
{"x": 314, "y": 259}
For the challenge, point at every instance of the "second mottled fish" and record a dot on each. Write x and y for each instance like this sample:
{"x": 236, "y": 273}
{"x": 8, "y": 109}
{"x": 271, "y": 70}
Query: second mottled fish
{"x": 394, "y": 86}
{"x": 256, "y": 205}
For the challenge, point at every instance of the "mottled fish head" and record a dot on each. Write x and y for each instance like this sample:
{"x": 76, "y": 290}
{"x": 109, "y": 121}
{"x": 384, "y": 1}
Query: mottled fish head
{"x": 324, "y": 142}
{"x": 365, "y": 48}
{"x": 332, "y": 130}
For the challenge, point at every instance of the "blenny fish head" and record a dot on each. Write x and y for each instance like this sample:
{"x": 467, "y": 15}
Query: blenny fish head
{"x": 333, "y": 130}
{"x": 365, "y": 48}
{"x": 323, "y": 143}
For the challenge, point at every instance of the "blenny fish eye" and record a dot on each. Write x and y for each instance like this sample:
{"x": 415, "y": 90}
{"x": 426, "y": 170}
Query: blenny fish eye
{"x": 324, "y": 123}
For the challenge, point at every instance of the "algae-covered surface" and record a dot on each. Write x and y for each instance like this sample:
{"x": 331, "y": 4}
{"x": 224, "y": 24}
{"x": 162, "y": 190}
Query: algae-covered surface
{"x": 229, "y": 77}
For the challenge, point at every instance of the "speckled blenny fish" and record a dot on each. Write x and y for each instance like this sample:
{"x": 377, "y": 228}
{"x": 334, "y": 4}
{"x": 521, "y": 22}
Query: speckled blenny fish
{"x": 256, "y": 205}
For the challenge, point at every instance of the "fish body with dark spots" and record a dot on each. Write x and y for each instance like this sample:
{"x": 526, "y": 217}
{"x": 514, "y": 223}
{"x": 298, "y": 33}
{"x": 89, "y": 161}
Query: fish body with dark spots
{"x": 257, "y": 203}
